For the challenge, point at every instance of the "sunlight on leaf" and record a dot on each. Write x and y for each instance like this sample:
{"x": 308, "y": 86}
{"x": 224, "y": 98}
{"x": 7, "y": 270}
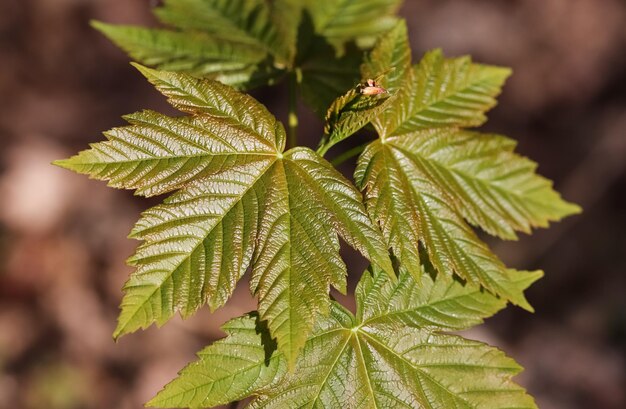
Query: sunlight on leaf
{"x": 425, "y": 175}
{"x": 392, "y": 354}
{"x": 238, "y": 201}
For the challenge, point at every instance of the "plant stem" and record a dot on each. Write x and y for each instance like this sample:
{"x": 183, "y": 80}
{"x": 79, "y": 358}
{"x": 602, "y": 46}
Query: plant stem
{"x": 292, "y": 133}
{"x": 350, "y": 153}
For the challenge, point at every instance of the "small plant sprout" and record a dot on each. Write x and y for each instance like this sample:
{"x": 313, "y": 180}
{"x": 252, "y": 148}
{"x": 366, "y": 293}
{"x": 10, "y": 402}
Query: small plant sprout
{"x": 245, "y": 200}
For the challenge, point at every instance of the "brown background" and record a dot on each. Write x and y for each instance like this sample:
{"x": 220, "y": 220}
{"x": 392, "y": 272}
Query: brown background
{"x": 62, "y": 236}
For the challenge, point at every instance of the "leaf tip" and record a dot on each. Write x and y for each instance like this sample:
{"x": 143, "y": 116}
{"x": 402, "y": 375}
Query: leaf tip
{"x": 571, "y": 209}
{"x": 523, "y": 280}
{"x": 525, "y": 305}
{"x": 534, "y": 276}
{"x": 519, "y": 299}
{"x": 98, "y": 25}
{"x": 149, "y": 73}
{"x": 73, "y": 163}
{"x": 117, "y": 334}
{"x": 120, "y": 330}
{"x": 504, "y": 72}
{"x": 134, "y": 234}
{"x": 107, "y": 29}
{"x": 63, "y": 163}
{"x": 153, "y": 403}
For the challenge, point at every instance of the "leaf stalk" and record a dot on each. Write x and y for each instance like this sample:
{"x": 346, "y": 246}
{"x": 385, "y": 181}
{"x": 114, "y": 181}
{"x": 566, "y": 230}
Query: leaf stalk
{"x": 292, "y": 120}
{"x": 350, "y": 153}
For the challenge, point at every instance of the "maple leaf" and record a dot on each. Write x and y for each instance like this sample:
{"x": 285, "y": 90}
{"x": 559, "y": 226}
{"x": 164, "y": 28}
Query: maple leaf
{"x": 249, "y": 43}
{"x": 394, "y": 353}
{"x": 426, "y": 174}
{"x": 238, "y": 201}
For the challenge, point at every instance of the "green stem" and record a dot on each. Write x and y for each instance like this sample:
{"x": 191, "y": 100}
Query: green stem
{"x": 350, "y": 153}
{"x": 324, "y": 146}
{"x": 292, "y": 134}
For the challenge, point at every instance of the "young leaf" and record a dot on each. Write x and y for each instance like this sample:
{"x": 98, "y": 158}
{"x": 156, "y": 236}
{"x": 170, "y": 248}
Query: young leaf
{"x": 438, "y": 92}
{"x": 411, "y": 209}
{"x": 238, "y": 42}
{"x": 390, "y": 59}
{"x": 346, "y": 20}
{"x": 240, "y": 201}
{"x": 194, "y": 52}
{"x": 392, "y": 354}
{"x": 490, "y": 185}
{"x": 347, "y": 114}
{"x": 424, "y": 174}
{"x": 269, "y": 26}
{"x": 228, "y": 370}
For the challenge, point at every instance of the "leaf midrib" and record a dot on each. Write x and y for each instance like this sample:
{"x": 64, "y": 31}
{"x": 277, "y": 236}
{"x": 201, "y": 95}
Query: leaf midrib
{"x": 216, "y": 380}
{"x": 158, "y": 158}
{"x": 417, "y": 310}
{"x": 198, "y": 244}
{"x": 453, "y": 242}
{"x": 422, "y": 107}
{"x": 520, "y": 195}
{"x": 364, "y": 366}
{"x": 248, "y": 34}
{"x": 330, "y": 370}
{"x": 415, "y": 367}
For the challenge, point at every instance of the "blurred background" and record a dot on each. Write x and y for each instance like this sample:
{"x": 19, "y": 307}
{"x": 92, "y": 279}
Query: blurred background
{"x": 62, "y": 236}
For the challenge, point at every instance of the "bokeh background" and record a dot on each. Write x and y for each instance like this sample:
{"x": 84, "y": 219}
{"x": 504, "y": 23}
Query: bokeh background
{"x": 62, "y": 236}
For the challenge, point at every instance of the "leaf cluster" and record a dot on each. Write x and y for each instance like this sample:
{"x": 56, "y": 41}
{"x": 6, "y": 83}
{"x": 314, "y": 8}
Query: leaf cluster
{"x": 249, "y": 43}
{"x": 240, "y": 200}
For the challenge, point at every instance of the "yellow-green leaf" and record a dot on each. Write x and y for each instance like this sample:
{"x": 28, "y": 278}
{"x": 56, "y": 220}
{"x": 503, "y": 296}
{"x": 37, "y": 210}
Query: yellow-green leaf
{"x": 239, "y": 201}
{"x": 437, "y": 92}
{"x": 343, "y": 20}
{"x": 392, "y": 354}
{"x": 489, "y": 184}
{"x": 411, "y": 209}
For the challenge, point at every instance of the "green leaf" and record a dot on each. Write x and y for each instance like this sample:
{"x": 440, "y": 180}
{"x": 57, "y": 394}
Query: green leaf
{"x": 286, "y": 16}
{"x": 411, "y": 209}
{"x": 241, "y": 43}
{"x": 157, "y": 154}
{"x": 297, "y": 256}
{"x": 267, "y": 26}
{"x": 347, "y": 212}
{"x": 347, "y": 114}
{"x": 425, "y": 175}
{"x": 438, "y": 92}
{"x": 229, "y": 369}
{"x": 193, "y": 52}
{"x": 431, "y": 301}
{"x": 392, "y": 354}
{"x": 347, "y": 20}
{"x": 239, "y": 201}
{"x": 490, "y": 185}
{"x": 390, "y": 59}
